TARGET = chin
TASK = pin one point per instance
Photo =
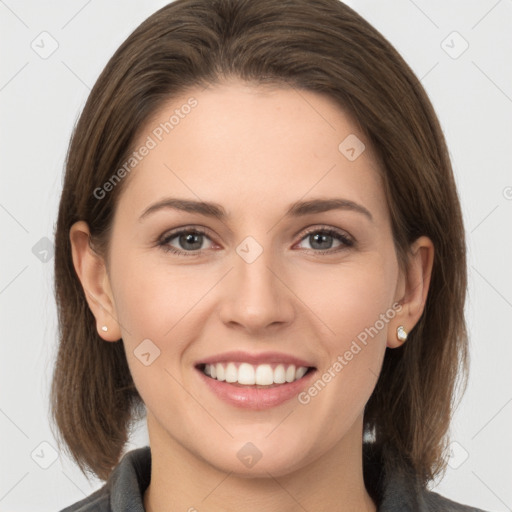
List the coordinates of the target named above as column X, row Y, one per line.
column 258, row 458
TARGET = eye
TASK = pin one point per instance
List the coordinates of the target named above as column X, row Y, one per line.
column 322, row 238
column 191, row 239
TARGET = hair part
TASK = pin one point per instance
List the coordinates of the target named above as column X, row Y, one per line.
column 321, row 46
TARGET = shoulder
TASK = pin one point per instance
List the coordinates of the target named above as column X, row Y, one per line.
column 395, row 486
column 124, row 488
column 435, row 502
column 98, row 501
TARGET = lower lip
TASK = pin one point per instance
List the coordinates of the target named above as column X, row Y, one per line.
column 251, row 397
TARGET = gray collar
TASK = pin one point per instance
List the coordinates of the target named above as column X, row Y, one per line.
column 393, row 488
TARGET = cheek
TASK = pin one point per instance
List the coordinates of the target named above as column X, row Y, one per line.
column 355, row 306
column 151, row 299
column 161, row 303
column 350, row 298
column 154, row 304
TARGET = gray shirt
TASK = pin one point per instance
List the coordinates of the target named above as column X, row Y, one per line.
column 392, row 491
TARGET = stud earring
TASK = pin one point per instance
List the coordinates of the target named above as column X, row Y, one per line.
column 401, row 333
column 104, row 328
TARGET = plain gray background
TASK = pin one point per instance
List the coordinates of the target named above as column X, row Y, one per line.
column 462, row 53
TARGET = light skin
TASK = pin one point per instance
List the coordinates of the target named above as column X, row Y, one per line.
column 255, row 151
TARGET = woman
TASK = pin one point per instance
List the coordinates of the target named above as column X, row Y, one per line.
column 303, row 352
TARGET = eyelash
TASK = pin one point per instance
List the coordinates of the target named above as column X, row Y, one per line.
column 163, row 242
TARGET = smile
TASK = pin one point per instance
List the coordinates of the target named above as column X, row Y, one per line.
column 250, row 375
column 256, row 397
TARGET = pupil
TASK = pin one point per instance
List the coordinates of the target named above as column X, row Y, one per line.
column 322, row 238
column 189, row 238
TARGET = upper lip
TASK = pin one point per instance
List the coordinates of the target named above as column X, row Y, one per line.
column 239, row 356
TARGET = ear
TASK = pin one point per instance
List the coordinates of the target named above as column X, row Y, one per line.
column 92, row 272
column 413, row 289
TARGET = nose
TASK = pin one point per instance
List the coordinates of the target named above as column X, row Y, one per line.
column 256, row 296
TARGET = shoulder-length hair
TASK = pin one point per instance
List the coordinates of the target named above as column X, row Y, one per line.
column 317, row 45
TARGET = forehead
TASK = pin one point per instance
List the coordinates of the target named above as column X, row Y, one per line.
column 246, row 145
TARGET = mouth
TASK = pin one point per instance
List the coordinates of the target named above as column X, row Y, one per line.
column 253, row 387
column 262, row 376
column 255, row 381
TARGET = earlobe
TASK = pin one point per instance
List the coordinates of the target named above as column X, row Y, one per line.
column 92, row 273
column 416, row 286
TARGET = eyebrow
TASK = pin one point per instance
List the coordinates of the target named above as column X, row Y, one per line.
column 215, row 210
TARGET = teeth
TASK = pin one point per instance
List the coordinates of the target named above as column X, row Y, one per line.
column 279, row 374
column 264, row 375
column 301, row 371
column 221, row 374
column 231, row 373
column 249, row 375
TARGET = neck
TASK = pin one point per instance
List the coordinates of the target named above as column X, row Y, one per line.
column 180, row 481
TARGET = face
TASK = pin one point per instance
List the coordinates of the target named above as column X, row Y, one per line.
column 313, row 287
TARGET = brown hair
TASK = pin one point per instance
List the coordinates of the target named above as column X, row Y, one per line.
column 317, row 45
